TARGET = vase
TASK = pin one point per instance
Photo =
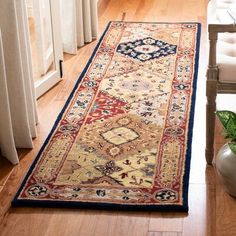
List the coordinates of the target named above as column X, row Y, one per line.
column 226, row 169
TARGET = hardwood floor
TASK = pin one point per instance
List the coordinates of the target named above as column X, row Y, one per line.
column 212, row 211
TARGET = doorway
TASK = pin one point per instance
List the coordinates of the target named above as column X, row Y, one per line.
column 46, row 43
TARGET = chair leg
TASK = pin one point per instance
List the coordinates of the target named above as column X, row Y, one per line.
column 211, row 90
column 210, row 120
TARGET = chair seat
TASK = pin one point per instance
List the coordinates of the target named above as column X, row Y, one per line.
column 226, row 43
column 217, row 11
column 226, row 59
column 227, row 69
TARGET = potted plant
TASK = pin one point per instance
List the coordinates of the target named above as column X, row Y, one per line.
column 226, row 157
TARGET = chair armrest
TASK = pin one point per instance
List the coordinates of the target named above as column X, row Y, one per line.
column 221, row 28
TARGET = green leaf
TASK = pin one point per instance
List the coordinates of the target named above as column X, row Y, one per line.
column 231, row 128
column 232, row 146
column 228, row 120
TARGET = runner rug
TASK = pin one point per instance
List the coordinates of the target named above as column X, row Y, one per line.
column 123, row 138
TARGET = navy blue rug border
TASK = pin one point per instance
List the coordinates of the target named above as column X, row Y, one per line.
column 110, row 206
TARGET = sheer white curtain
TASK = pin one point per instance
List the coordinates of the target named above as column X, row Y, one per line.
column 18, row 115
column 79, row 23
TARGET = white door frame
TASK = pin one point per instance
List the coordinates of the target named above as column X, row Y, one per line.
column 53, row 77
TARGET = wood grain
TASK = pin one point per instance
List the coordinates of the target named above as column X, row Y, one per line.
column 164, row 234
column 170, row 222
column 201, row 199
column 212, row 212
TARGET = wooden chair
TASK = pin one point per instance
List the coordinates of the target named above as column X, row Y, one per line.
column 221, row 72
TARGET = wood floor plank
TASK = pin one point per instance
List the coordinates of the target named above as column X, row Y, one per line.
column 6, row 169
column 26, row 221
column 226, row 212
column 164, row 234
column 201, row 216
column 82, row 222
column 154, row 234
column 226, row 224
column 132, row 223
column 170, row 222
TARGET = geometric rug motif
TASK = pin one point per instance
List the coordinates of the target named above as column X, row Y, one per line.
column 146, row 49
column 123, row 138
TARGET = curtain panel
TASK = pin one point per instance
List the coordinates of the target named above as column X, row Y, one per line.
column 18, row 115
column 79, row 23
